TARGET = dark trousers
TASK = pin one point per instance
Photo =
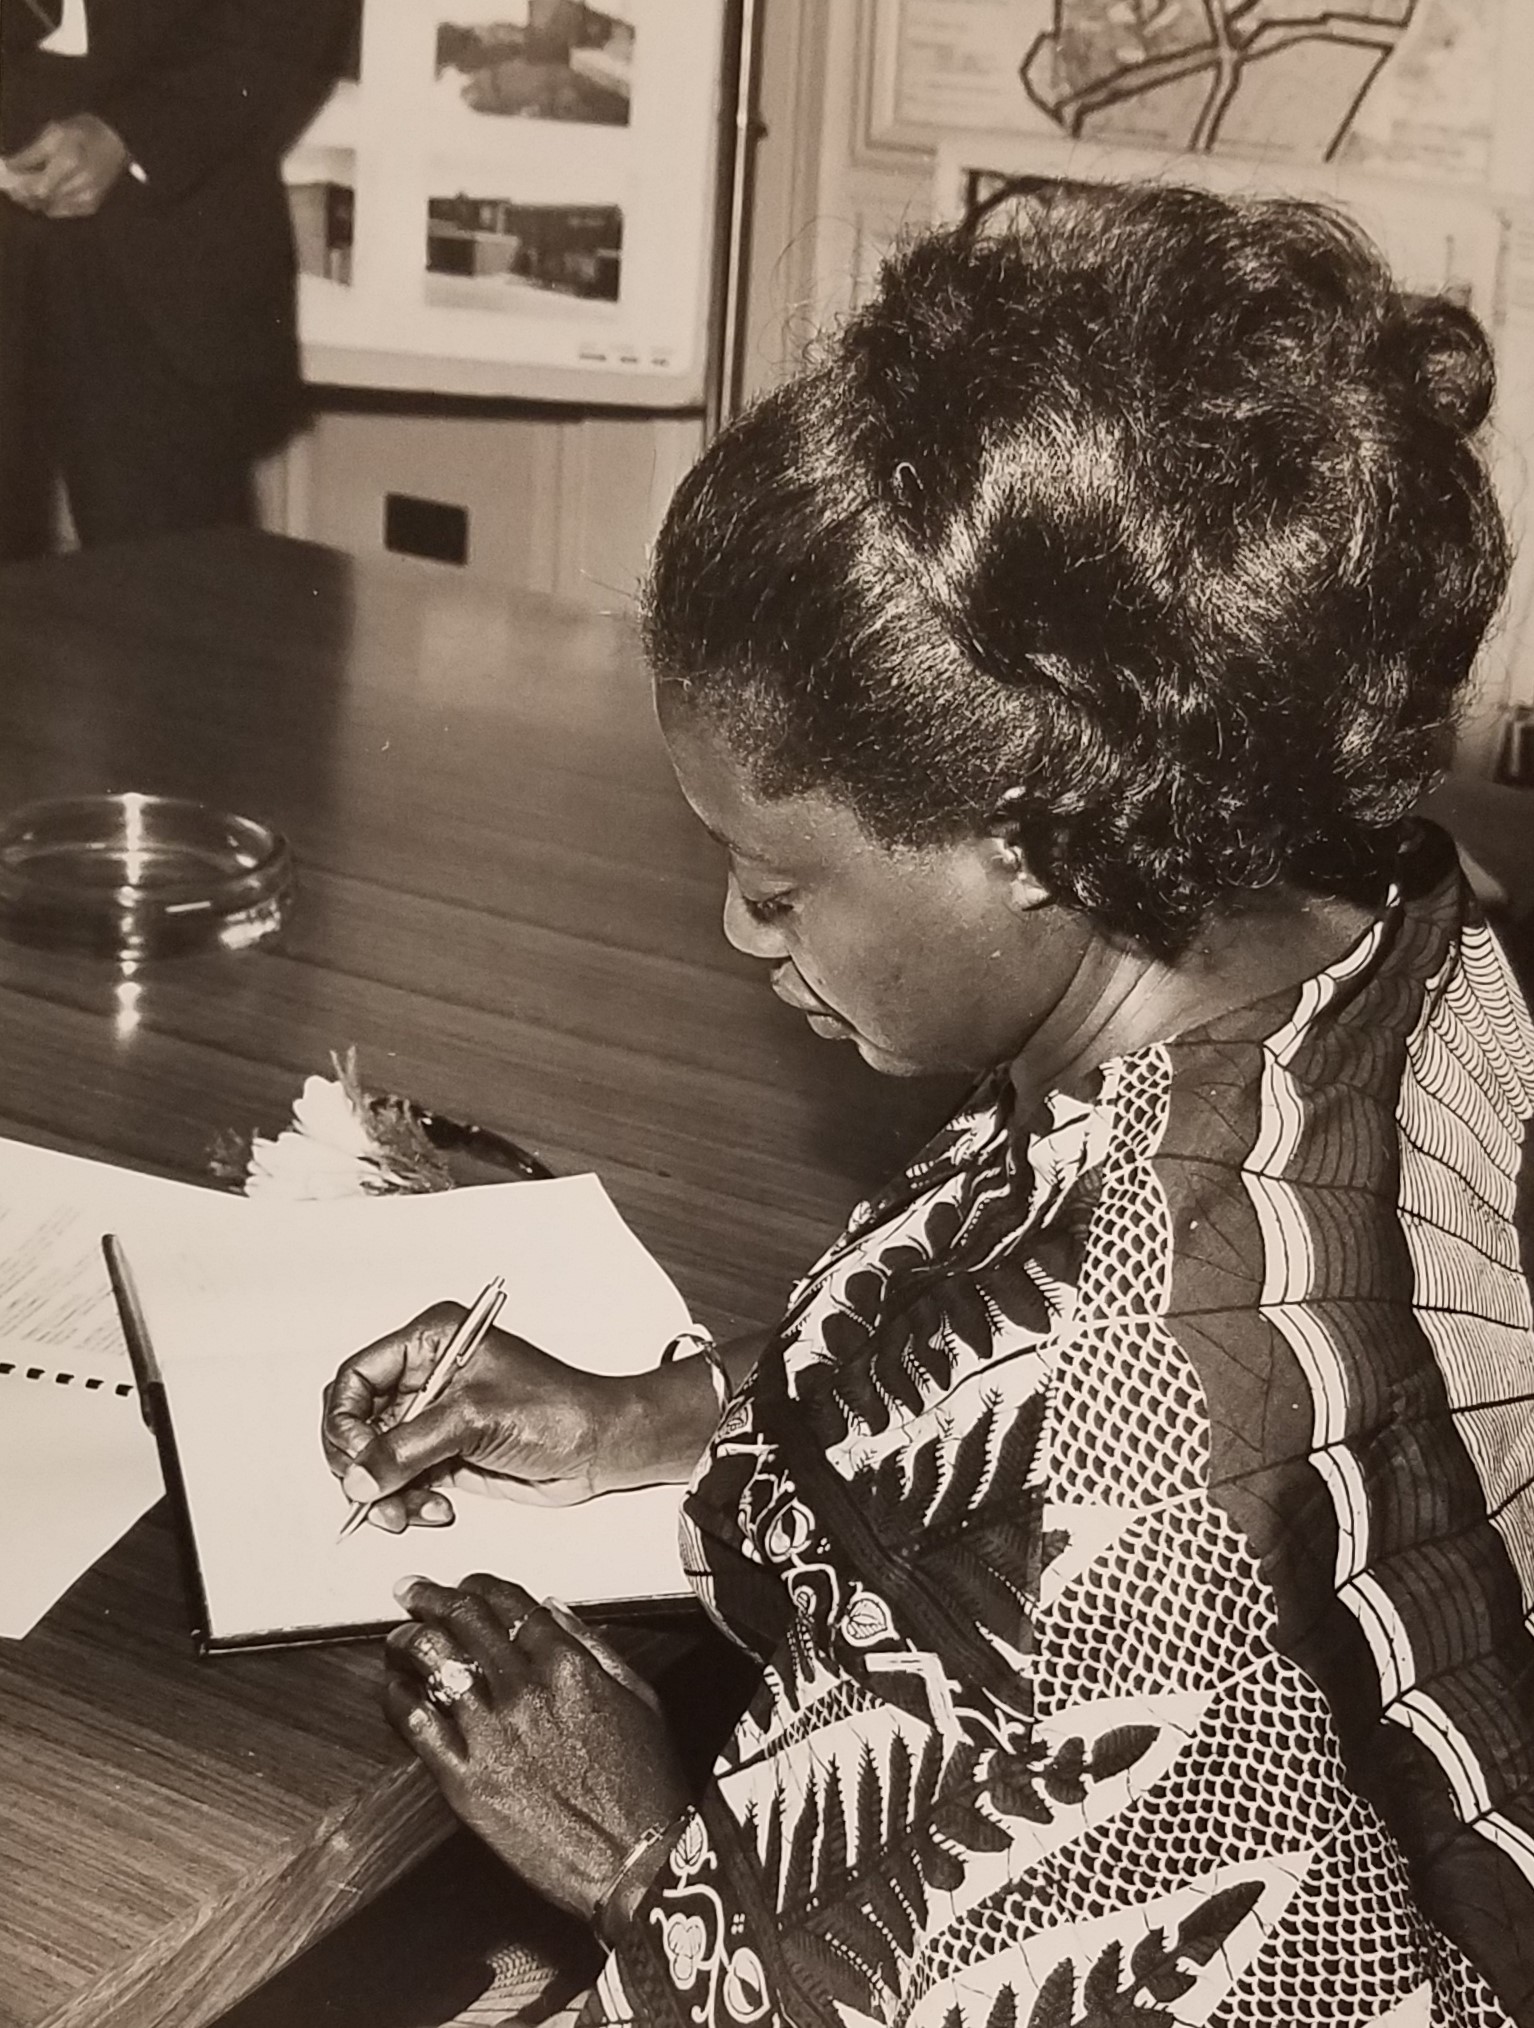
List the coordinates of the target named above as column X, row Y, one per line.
column 88, row 398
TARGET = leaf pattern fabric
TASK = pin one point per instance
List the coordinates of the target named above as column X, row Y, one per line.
column 1134, row 1520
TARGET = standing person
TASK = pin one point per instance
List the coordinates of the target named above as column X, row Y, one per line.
column 1132, row 1515
column 148, row 350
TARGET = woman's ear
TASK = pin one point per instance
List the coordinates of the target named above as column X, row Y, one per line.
column 1024, row 889
column 1010, row 861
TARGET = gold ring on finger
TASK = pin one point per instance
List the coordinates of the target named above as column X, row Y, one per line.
column 522, row 1620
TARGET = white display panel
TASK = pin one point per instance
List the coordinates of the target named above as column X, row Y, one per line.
column 516, row 198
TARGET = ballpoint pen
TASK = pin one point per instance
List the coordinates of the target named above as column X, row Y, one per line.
column 460, row 1347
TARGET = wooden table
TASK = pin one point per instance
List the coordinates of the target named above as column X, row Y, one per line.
column 507, row 908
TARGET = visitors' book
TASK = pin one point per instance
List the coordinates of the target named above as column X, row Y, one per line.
column 237, row 1322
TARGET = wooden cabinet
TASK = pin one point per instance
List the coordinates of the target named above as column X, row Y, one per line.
column 556, row 502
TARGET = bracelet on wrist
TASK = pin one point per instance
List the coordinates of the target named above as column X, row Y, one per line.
column 608, row 1916
column 702, row 1346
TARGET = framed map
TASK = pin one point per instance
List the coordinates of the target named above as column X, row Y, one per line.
column 1415, row 88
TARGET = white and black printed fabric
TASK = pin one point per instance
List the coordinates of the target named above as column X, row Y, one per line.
column 1135, row 1519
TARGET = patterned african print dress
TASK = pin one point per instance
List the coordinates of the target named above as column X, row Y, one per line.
column 1135, row 1518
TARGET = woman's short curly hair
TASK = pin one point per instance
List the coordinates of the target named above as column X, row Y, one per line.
column 1150, row 528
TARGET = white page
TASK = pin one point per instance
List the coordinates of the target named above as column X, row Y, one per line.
column 77, row 1466
column 249, row 1325
column 54, row 1209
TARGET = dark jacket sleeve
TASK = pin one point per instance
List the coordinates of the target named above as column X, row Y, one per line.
column 227, row 78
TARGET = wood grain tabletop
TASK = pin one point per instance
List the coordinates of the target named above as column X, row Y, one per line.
column 506, row 908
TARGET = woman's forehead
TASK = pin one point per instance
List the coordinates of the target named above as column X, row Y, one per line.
column 813, row 829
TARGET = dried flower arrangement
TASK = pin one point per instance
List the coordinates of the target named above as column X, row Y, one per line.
column 343, row 1141
column 346, row 1141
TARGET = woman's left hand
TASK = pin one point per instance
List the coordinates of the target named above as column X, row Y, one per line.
column 556, row 1754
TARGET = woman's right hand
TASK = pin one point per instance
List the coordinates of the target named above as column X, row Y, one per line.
column 517, row 1421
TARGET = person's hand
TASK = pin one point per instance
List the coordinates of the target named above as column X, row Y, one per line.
column 556, row 1753
column 512, row 1421
column 67, row 171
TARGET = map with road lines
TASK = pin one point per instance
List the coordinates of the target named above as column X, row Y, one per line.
column 1389, row 84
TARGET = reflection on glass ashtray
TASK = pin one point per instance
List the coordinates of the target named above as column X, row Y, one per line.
column 134, row 876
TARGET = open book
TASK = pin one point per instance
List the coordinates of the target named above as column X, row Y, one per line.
column 238, row 1323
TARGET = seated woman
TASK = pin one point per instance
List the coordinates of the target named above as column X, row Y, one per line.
column 1133, row 1514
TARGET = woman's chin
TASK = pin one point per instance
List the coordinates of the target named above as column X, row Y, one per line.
column 886, row 1063
column 831, row 1028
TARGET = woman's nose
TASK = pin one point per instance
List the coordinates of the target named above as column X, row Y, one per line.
column 755, row 939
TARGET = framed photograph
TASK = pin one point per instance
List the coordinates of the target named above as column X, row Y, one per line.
column 561, row 62
column 521, row 259
column 322, row 195
column 517, row 198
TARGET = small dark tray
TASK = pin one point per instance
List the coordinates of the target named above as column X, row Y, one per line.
column 480, row 1154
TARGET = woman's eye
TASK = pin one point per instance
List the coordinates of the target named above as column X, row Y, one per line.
column 767, row 908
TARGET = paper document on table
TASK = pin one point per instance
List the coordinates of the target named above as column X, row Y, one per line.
column 245, row 1328
column 54, row 1289
column 77, row 1465
column 54, row 1208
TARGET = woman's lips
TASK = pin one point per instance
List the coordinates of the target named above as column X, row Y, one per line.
column 819, row 1016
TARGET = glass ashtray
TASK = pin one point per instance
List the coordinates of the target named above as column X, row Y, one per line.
column 135, row 876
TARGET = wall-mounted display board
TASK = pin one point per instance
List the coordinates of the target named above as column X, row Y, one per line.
column 517, row 198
